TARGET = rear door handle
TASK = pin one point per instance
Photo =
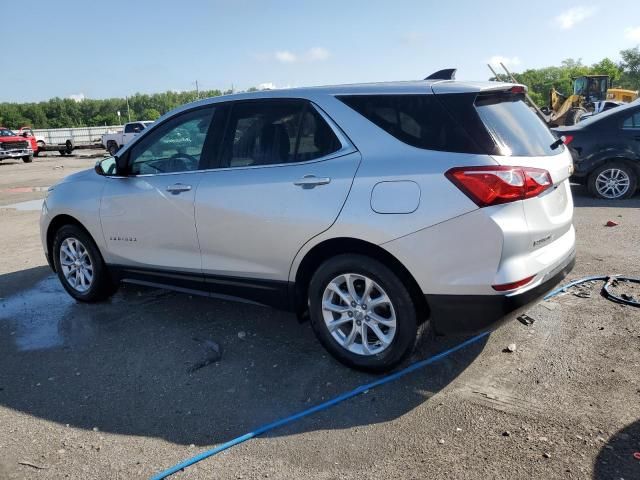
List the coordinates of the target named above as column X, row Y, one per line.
column 177, row 188
column 310, row 181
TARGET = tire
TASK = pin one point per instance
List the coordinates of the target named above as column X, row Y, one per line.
column 376, row 357
column 101, row 286
column 574, row 115
column 623, row 178
column 40, row 144
column 27, row 158
column 113, row 148
column 62, row 152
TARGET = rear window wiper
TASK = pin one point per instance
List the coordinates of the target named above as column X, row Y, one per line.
column 557, row 143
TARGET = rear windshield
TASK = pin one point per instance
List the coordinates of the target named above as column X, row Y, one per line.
column 514, row 127
column 494, row 124
column 418, row 120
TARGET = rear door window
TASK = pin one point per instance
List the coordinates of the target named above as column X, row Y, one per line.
column 272, row 132
column 418, row 120
column 316, row 139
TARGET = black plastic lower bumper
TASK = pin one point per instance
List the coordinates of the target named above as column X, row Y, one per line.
column 476, row 313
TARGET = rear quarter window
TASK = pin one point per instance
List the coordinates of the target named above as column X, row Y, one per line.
column 418, row 120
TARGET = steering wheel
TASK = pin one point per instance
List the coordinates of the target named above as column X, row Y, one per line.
column 188, row 162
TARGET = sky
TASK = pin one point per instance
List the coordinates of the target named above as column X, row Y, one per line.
column 100, row 49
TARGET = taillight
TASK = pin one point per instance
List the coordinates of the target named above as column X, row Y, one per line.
column 500, row 184
column 567, row 139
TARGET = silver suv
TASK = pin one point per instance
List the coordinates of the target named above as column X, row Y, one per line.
column 379, row 211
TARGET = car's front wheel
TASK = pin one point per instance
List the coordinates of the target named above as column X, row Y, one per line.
column 613, row 181
column 27, row 158
column 79, row 265
column 362, row 313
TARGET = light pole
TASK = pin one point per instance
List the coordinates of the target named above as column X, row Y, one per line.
column 119, row 122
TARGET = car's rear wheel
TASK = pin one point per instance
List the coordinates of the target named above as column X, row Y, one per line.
column 79, row 265
column 362, row 313
column 613, row 181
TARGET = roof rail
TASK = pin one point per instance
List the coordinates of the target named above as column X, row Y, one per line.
column 445, row 74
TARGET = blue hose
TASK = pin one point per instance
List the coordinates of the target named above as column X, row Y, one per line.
column 564, row 288
column 322, row 406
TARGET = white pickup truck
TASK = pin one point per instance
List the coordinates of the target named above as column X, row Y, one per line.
column 113, row 141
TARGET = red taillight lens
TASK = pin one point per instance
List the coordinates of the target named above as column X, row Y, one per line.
column 567, row 139
column 512, row 286
column 500, row 184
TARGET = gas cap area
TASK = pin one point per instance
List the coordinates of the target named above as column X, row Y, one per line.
column 399, row 196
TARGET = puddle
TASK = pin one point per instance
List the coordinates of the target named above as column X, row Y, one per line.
column 42, row 317
column 29, row 205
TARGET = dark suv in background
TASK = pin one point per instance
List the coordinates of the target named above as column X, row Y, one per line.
column 606, row 151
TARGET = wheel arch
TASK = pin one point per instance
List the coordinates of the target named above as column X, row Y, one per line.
column 621, row 157
column 338, row 246
column 56, row 224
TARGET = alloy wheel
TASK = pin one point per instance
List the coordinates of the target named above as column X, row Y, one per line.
column 612, row 183
column 359, row 314
column 76, row 264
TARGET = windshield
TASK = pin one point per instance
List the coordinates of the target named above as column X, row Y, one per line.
column 4, row 132
column 515, row 128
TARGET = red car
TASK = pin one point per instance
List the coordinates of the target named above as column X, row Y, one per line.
column 14, row 146
column 27, row 133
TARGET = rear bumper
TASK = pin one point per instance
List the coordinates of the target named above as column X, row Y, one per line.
column 476, row 313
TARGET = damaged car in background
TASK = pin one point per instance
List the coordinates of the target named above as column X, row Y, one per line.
column 14, row 146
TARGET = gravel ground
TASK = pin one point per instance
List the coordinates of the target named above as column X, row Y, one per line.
column 108, row 391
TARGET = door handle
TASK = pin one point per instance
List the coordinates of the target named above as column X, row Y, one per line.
column 310, row 181
column 177, row 188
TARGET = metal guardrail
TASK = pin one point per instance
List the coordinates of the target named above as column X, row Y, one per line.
column 78, row 135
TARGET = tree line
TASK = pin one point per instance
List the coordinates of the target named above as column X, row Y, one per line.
column 63, row 112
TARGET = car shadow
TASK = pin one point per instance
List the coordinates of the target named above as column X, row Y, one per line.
column 582, row 198
column 616, row 459
column 132, row 365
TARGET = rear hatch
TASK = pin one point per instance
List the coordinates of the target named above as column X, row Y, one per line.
column 507, row 129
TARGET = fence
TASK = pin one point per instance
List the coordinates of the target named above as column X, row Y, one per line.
column 79, row 135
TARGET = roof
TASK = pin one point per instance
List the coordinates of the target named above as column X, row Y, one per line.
column 404, row 87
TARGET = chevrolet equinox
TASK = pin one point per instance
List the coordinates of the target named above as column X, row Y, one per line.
column 381, row 211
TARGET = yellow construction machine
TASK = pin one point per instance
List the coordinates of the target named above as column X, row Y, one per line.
column 591, row 94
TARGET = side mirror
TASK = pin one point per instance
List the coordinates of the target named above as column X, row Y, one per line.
column 107, row 166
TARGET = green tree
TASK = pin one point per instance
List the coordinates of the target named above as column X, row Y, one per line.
column 151, row 114
column 630, row 66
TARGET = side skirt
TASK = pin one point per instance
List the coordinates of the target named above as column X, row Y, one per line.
column 272, row 293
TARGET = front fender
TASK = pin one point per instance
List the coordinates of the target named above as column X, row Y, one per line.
column 77, row 197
